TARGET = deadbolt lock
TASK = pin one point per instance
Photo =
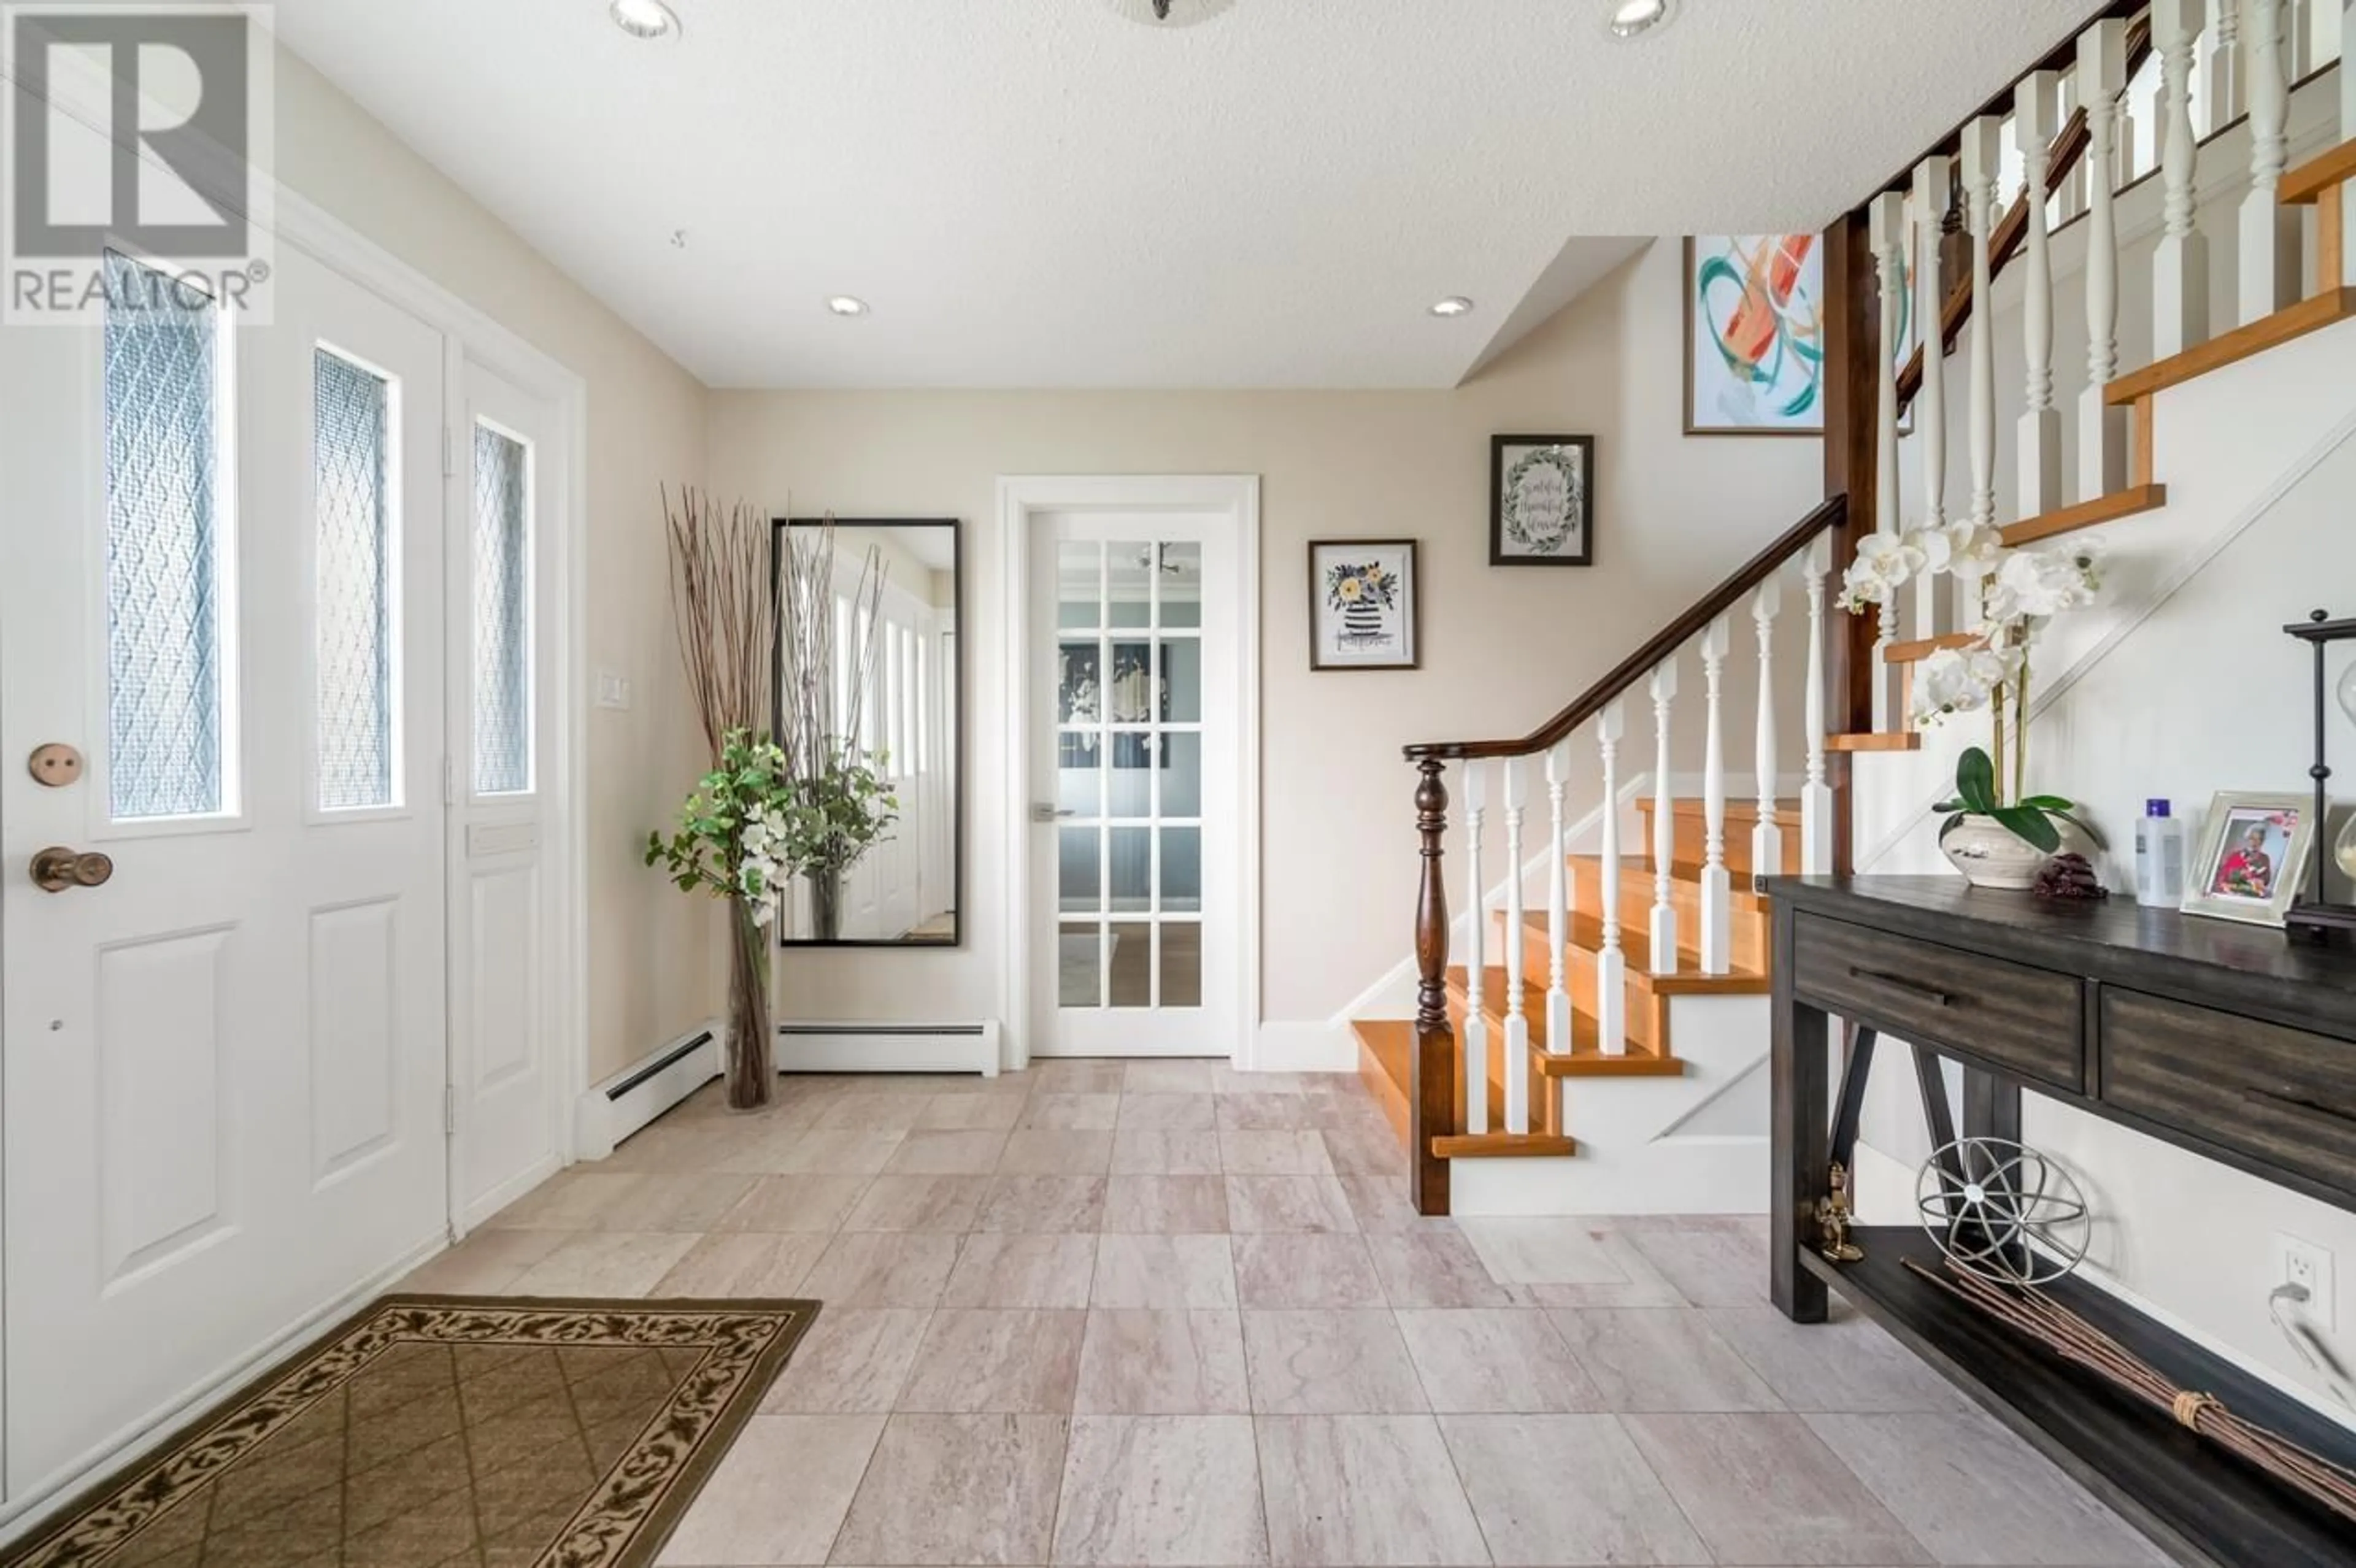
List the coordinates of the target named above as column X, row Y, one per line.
column 56, row 765
column 57, row 868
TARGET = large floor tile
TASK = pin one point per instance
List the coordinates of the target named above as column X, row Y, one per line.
column 751, row 1263
column 972, row 1113
column 1071, row 1113
column 1305, row 1270
column 1273, row 1153
column 1169, row 1078
column 1711, row 1267
column 945, row 1203
column 1077, row 1076
column 691, row 1203
column 1568, row 1263
column 1022, row 1270
column 1764, row 1489
column 605, row 1262
column 1848, row 1365
column 1974, row 1493
column 854, row 1360
column 1567, row 1489
column 488, row 1262
column 779, row 1495
column 946, row 1153
column 575, row 1199
column 832, row 1153
column 1288, row 1203
column 1162, row 1489
column 1329, row 1363
column 1169, row 1113
column 1139, row 1362
column 1294, row 1112
column 1178, row 1271
column 1051, row 1151
column 1661, row 1358
column 950, row 1489
column 869, row 1112
column 1166, row 1205
column 1437, row 1267
column 1042, row 1203
column 806, row 1203
column 1367, row 1149
column 1381, row 1203
column 883, row 1269
column 1016, row 1361
column 1363, row 1491
column 1160, row 1151
column 1495, row 1361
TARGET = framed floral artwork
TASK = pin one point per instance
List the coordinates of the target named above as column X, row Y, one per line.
column 1542, row 500
column 1363, row 601
column 2251, row 857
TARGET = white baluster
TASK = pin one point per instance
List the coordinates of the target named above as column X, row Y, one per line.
column 1517, row 1024
column 2102, row 429
column 1767, row 837
column 1558, row 767
column 2180, row 270
column 1886, row 228
column 1476, row 946
column 2224, row 94
column 2034, row 126
column 1933, row 614
column 2270, row 231
column 1611, row 964
column 1717, row 936
column 1983, row 155
column 2299, row 41
column 2071, row 200
column 1664, row 689
column 1817, row 794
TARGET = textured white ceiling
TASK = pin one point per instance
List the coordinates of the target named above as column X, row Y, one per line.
column 1035, row 193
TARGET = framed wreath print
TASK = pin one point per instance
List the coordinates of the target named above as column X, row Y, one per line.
column 1542, row 500
column 1363, row 600
column 2251, row 857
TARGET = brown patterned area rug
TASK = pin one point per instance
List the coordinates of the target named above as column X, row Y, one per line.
column 431, row 1430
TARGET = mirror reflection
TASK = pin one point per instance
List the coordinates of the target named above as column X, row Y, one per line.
column 868, row 684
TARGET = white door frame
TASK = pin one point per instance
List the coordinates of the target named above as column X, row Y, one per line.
column 1020, row 497
column 301, row 222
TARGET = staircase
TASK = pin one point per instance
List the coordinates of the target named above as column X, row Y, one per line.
column 1649, row 969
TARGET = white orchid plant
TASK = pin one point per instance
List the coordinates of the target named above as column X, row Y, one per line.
column 2020, row 591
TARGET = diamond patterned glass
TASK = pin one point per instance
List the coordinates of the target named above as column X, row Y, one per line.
column 351, row 440
column 164, row 568
column 502, row 615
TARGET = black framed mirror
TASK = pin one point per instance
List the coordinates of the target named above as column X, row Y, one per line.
column 871, row 674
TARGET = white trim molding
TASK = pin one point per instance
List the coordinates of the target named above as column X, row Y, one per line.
column 970, row 1045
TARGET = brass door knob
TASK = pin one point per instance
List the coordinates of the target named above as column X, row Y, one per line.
column 57, row 868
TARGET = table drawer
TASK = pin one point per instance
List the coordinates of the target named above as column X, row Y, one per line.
column 2029, row 1021
column 2280, row 1095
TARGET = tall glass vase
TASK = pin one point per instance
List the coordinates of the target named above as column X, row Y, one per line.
column 826, row 904
column 752, row 1066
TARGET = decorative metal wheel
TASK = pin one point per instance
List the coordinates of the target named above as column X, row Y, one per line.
column 2002, row 1211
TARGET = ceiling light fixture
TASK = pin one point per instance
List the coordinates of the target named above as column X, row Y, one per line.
column 1171, row 12
column 1630, row 19
column 847, row 304
column 1453, row 305
column 645, row 18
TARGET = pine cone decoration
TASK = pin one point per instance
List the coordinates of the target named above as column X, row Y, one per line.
column 2070, row 876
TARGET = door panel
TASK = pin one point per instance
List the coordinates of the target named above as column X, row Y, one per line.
column 223, row 1066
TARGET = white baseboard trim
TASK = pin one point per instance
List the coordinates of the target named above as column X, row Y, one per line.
column 1325, row 1047
column 476, row 1213
column 837, row 1047
column 19, row 1514
column 613, row 1110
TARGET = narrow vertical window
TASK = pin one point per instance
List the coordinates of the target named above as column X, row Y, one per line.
column 354, row 588
column 502, row 613
column 165, row 540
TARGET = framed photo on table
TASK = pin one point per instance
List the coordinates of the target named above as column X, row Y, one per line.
column 2252, row 857
column 1365, row 601
column 1542, row 500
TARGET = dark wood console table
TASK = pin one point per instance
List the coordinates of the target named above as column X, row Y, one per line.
column 2225, row 1040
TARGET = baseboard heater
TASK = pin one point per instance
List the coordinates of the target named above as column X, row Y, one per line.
column 889, row 1047
column 623, row 1104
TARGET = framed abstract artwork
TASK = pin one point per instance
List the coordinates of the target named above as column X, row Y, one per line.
column 1363, row 601
column 1542, row 500
column 1754, row 334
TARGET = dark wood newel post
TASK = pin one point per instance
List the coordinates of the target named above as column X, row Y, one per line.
column 1852, row 452
column 1433, row 1074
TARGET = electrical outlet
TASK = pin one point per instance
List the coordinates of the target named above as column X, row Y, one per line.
column 2305, row 1265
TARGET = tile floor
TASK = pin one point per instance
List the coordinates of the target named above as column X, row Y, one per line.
column 1160, row 1313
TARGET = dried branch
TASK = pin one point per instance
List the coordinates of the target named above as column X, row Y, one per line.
column 723, row 612
column 823, row 703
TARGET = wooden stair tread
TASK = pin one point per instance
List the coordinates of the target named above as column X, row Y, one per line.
column 1744, row 811
column 1878, row 741
column 1585, row 1059
column 1922, row 648
column 2310, row 315
column 2102, row 510
column 1635, row 868
column 1503, row 1145
column 1585, row 932
column 2303, row 185
column 1390, row 1043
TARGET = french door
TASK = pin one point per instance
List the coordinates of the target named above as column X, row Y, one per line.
column 1135, row 805
column 221, row 646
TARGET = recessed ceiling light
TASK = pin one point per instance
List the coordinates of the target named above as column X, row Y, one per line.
column 678, row 239
column 847, row 304
column 1631, row 17
column 1454, row 304
column 645, row 18
column 1171, row 12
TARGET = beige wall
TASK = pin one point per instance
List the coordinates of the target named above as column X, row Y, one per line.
column 650, row 957
column 1501, row 648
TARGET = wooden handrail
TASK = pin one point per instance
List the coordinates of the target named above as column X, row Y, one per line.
column 2012, row 229
column 1659, row 647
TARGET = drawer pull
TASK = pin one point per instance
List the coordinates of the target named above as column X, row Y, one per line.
column 2294, row 1103
column 1937, row 998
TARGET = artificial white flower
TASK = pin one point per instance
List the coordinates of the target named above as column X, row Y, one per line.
column 1974, row 551
column 1955, row 681
column 2033, row 585
column 1883, row 564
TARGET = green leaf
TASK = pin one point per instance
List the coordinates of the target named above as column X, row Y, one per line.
column 2081, row 824
column 1948, row 806
column 2029, row 825
column 2049, row 802
column 1975, row 781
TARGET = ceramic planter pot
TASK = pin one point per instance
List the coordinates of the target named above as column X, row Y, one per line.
column 1989, row 855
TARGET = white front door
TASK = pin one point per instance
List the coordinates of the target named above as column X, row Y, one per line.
column 221, row 585
column 1134, row 764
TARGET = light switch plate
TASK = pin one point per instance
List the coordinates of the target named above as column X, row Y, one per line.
column 613, row 690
